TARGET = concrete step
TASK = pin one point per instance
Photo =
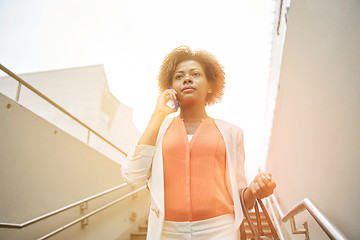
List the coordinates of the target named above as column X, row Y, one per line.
column 264, row 225
column 253, row 215
column 138, row 236
column 143, row 228
column 250, row 235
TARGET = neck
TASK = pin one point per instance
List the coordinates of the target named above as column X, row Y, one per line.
column 193, row 113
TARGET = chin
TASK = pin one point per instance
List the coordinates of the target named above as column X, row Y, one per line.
column 189, row 101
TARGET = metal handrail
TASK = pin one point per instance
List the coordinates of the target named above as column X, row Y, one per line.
column 21, row 81
column 90, row 214
column 277, row 225
column 331, row 231
column 21, row 225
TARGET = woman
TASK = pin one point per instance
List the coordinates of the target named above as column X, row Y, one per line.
column 194, row 164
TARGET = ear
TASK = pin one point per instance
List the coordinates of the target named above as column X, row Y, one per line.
column 210, row 87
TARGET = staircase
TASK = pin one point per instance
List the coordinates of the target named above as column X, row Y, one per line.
column 141, row 234
column 245, row 231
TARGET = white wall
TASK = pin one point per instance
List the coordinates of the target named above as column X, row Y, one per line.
column 314, row 148
column 42, row 168
column 277, row 47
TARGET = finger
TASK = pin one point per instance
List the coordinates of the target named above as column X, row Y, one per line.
column 259, row 192
column 168, row 95
column 267, row 178
column 171, row 91
column 166, row 91
column 269, row 185
column 164, row 94
column 172, row 110
column 272, row 184
column 269, row 190
column 261, row 184
column 266, row 188
column 262, row 175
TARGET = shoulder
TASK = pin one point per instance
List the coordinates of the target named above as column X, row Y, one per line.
column 227, row 126
column 230, row 131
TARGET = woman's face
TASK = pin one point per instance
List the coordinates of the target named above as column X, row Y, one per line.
column 190, row 82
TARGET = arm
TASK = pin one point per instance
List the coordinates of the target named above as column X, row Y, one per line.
column 161, row 111
column 262, row 186
column 136, row 166
column 249, row 199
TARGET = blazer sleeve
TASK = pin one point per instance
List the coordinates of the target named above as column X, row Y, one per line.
column 136, row 166
column 240, row 161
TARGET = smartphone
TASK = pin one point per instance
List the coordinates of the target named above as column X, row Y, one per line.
column 174, row 103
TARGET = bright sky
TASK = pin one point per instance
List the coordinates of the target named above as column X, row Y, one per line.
column 131, row 37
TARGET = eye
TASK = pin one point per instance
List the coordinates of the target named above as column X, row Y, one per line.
column 178, row 76
column 196, row 74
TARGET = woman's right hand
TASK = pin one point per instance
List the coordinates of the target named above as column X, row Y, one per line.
column 161, row 106
column 161, row 111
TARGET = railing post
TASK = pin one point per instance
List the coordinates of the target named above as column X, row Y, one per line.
column 84, row 223
column 88, row 136
column 294, row 230
column 18, row 92
column 83, row 207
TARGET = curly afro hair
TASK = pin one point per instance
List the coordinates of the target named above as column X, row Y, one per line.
column 213, row 70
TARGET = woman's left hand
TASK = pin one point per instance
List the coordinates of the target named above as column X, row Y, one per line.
column 263, row 185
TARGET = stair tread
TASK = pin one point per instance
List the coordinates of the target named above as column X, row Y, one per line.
column 138, row 234
column 261, row 217
column 263, row 228
column 143, row 228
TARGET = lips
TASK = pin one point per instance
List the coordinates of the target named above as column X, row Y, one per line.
column 187, row 89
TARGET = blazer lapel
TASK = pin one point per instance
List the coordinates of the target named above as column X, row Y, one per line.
column 230, row 142
column 156, row 181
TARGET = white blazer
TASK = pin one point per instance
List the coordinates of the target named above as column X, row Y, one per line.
column 146, row 163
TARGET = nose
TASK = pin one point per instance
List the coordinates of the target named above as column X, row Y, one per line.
column 187, row 79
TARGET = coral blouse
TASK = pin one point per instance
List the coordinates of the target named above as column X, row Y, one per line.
column 194, row 173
